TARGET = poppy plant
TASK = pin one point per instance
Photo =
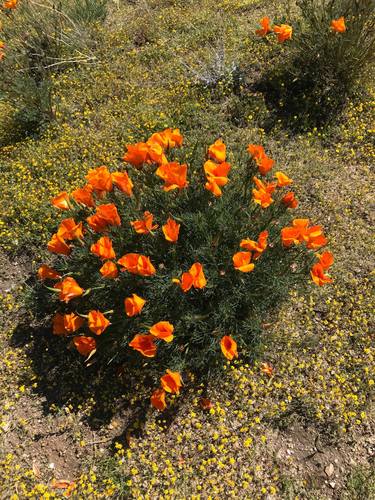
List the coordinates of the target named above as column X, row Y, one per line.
column 46, row 272
column 229, row 347
column 137, row 154
column 137, row 264
column 318, row 276
column 144, row 344
column 194, row 277
column 265, row 24
column 58, row 245
column 109, row 270
column 105, row 215
column 100, row 179
column 301, row 232
column 70, row 230
column 123, row 182
column 61, row 201
column 10, row 4
column 242, row 262
column 282, row 179
column 97, row 322
column 163, row 330
column 64, row 324
column 262, row 195
column 257, row 247
column 171, row 382
column 174, row 175
column 171, row 230
column 68, row 289
column 325, row 259
column 103, row 248
column 134, row 305
column 217, row 151
column 84, row 345
column 338, row 25
column 289, row 200
column 144, row 226
column 257, row 153
column 283, row 32
column 84, row 196
column 216, row 176
column 158, row 399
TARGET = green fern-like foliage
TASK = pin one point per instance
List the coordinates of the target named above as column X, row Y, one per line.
column 232, row 302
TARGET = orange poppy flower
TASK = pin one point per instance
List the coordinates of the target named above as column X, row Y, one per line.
column 338, row 25
column 137, row 264
column 265, row 164
column 100, row 179
column 266, row 27
column 171, row 230
column 70, row 230
column 216, row 176
column 162, row 330
column 58, row 245
column 144, row 226
column 174, row 175
column 84, row 196
column 103, row 248
column 69, row 289
column 10, row 4
column 66, row 323
column 315, row 238
column 267, row 369
column 97, row 322
column 199, row 279
column 156, row 154
column 171, row 382
column 241, row 261
column 318, row 276
column 283, row 32
column 289, row 200
column 217, row 151
column 229, row 347
column 84, row 345
column 144, row 344
column 46, row 272
column 158, row 399
column 185, row 283
column 326, row 259
column 262, row 197
column 58, row 327
column 294, row 235
column 134, row 305
column 174, row 137
column 256, row 151
column 105, row 215
column 256, row 246
column 282, row 179
column 109, row 270
column 61, row 201
column 137, row 154
column 123, row 182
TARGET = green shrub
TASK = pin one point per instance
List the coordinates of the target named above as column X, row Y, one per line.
column 319, row 68
column 229, row 299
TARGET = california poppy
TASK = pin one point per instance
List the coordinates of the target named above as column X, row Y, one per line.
column 61, row 201
column 145, row 225
column 84, row 196
column 134, row 305
column 84, row 345
column 168, row 138
column 66, row 323
column 289, row 200
column 137, row 154
column 158, row 399
column 10, row 4
column 123, row 182
column 282, row 179
column 325, row 259
column 69, row 289
column 256, row 151
column 103, row 248
column 315, row 237
column 338, row 25
column 109, row 270
column 283, row 32
column 216, row 176
column 163, row 330
column 137, row 264
column 265, row 164
column 296, row 233
column 70, row 230
column 58, row 327
column 318, row 276
column 174, row 175
column 241, row 261
column 229, row 347
column 199, row 279
column 217, row 151
column 171, row 230
column 97, row 322
column 185, row 283
column 144, row 344
column 266, row 27
column 105, row 215
column 46, row 272
column 171, row 382
column 100, row 179
column 256, row 246
column 58, row 245
column 262, row 195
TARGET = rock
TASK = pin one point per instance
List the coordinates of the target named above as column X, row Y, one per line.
column 329, row 470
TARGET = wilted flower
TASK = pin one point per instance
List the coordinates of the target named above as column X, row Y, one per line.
column 229, row 347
